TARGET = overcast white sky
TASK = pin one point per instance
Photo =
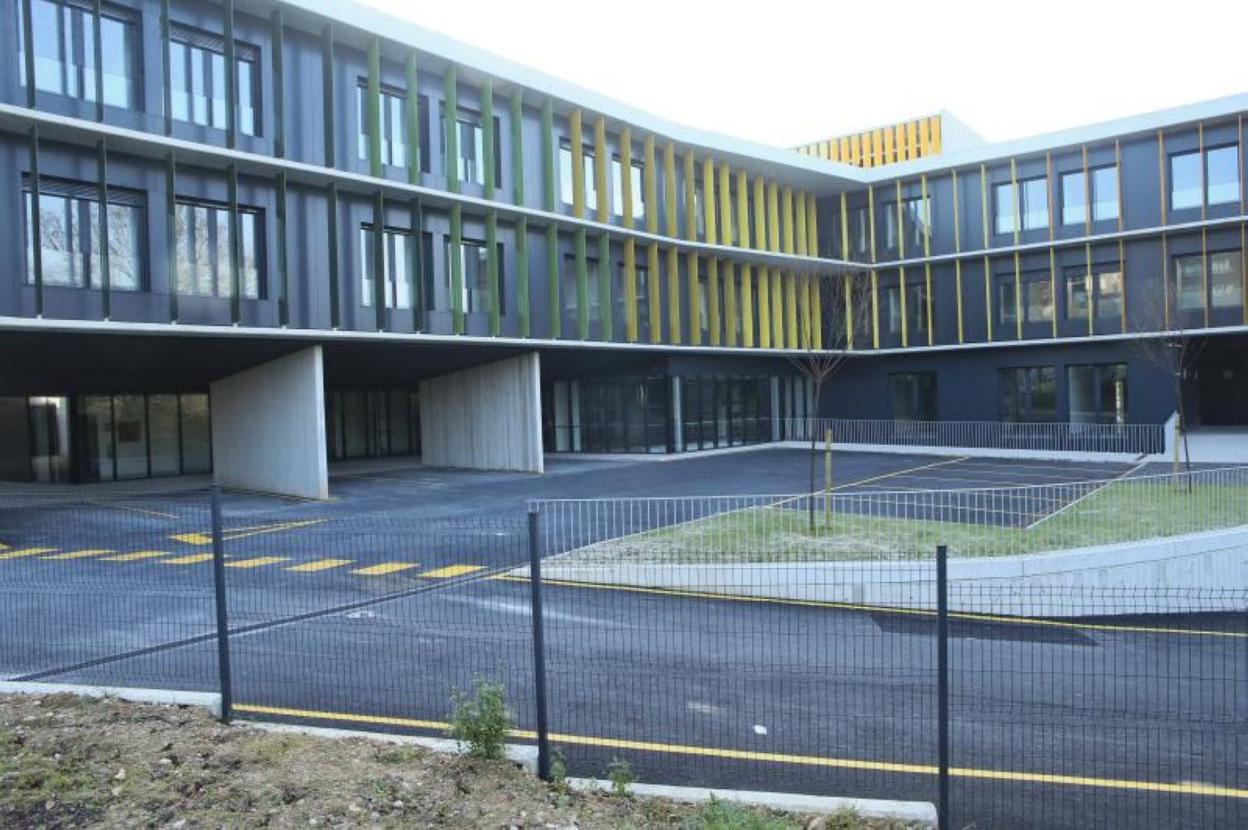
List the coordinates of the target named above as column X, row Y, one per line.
column 783, row 72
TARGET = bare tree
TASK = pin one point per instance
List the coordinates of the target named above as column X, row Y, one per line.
column 844, row 301
column 1170, row 349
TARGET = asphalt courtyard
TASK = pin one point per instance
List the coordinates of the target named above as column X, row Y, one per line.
column 368, row 610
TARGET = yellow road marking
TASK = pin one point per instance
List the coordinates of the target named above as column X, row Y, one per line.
column 79, row 554
column 22, row 552
column 257, row 562
column 320, row 565
column 230, row 534
column 192, row 559
column 385, row 568
column 452, row 570
column 3, row 546
column 138, row 554
column 879, row 609
column 1181, row 788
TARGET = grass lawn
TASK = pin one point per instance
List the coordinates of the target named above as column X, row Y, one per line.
column 912, row 525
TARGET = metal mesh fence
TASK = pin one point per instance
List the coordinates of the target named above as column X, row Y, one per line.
column 1133, row 439
column 92, row 590
column 785, row 643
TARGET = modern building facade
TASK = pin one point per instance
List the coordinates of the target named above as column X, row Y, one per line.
column 482, row 263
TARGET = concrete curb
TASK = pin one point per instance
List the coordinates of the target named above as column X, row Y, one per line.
column 923, row 812
column 166, row 697
column 974, row 452
column 521, row 755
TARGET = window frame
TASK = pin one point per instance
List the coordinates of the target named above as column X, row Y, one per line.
column 87, row 194
column 193, row 38
column 261, row 252
column 84, row 73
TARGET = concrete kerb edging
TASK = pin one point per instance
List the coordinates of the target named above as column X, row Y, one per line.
column 1170, row 567
column 923, row 812
column 165, row 697
column 974, row 452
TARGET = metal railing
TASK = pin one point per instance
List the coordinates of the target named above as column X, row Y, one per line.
column 876, row 524
column 894, row 688
column 1132, row 439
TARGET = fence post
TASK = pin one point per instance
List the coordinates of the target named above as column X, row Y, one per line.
column 539, row 647
column 223, row 621
column 942, row 683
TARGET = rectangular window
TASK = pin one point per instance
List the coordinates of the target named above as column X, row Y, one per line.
column 1004, row 205
column 592, row 295
column 1185, row 180
column 1098, row 393
column 1029, row 394
column 394, row 150
column 1038, row 299
column 399, row 255
column 886, row 226
column 202, row 232
column 1109, row 292
column 1074, row 198
column 69, row 229
column 565, row 177
column 1076, row 294
column 859, row 234
column 916, row 308
column 197, row 80
column 617, row 188
column 1222, row 175
column 474, row 269
column 892, row 307
column 917, row 218
column 1189, row 275
column 1007, row 307
column 1105, row 193
column 64, row 34
column 470, row 166
column 1035, row 203
column 1226, row 279
column 913, row 396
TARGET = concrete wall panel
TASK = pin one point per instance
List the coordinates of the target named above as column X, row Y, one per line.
column 486, row 418
column 268, row 427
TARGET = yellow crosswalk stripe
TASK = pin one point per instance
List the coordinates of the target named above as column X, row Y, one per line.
column 21, row 552
column 452, row 570
column 319, row 565
column 138, row 554
column 385, row 568
column 257, row 562
column 79, row 554
column 192, row 559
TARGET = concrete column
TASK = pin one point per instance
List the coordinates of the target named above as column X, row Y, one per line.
column 775, row 409
column 268, row 427
column 485, row 418
column 678, row 422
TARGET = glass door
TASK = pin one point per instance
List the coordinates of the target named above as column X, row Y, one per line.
column 49, row 434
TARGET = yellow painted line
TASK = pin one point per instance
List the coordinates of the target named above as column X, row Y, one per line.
column 23, row 552
column 320, row 565
column 880, row 609
column 192, row 559
column 386, row 568
column 1179, row 788
column 230, row 534
column 906, row 471
column 452, row 570
column 137, row 555
column 257, row 562
column 79, row 554
column 3, row 546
